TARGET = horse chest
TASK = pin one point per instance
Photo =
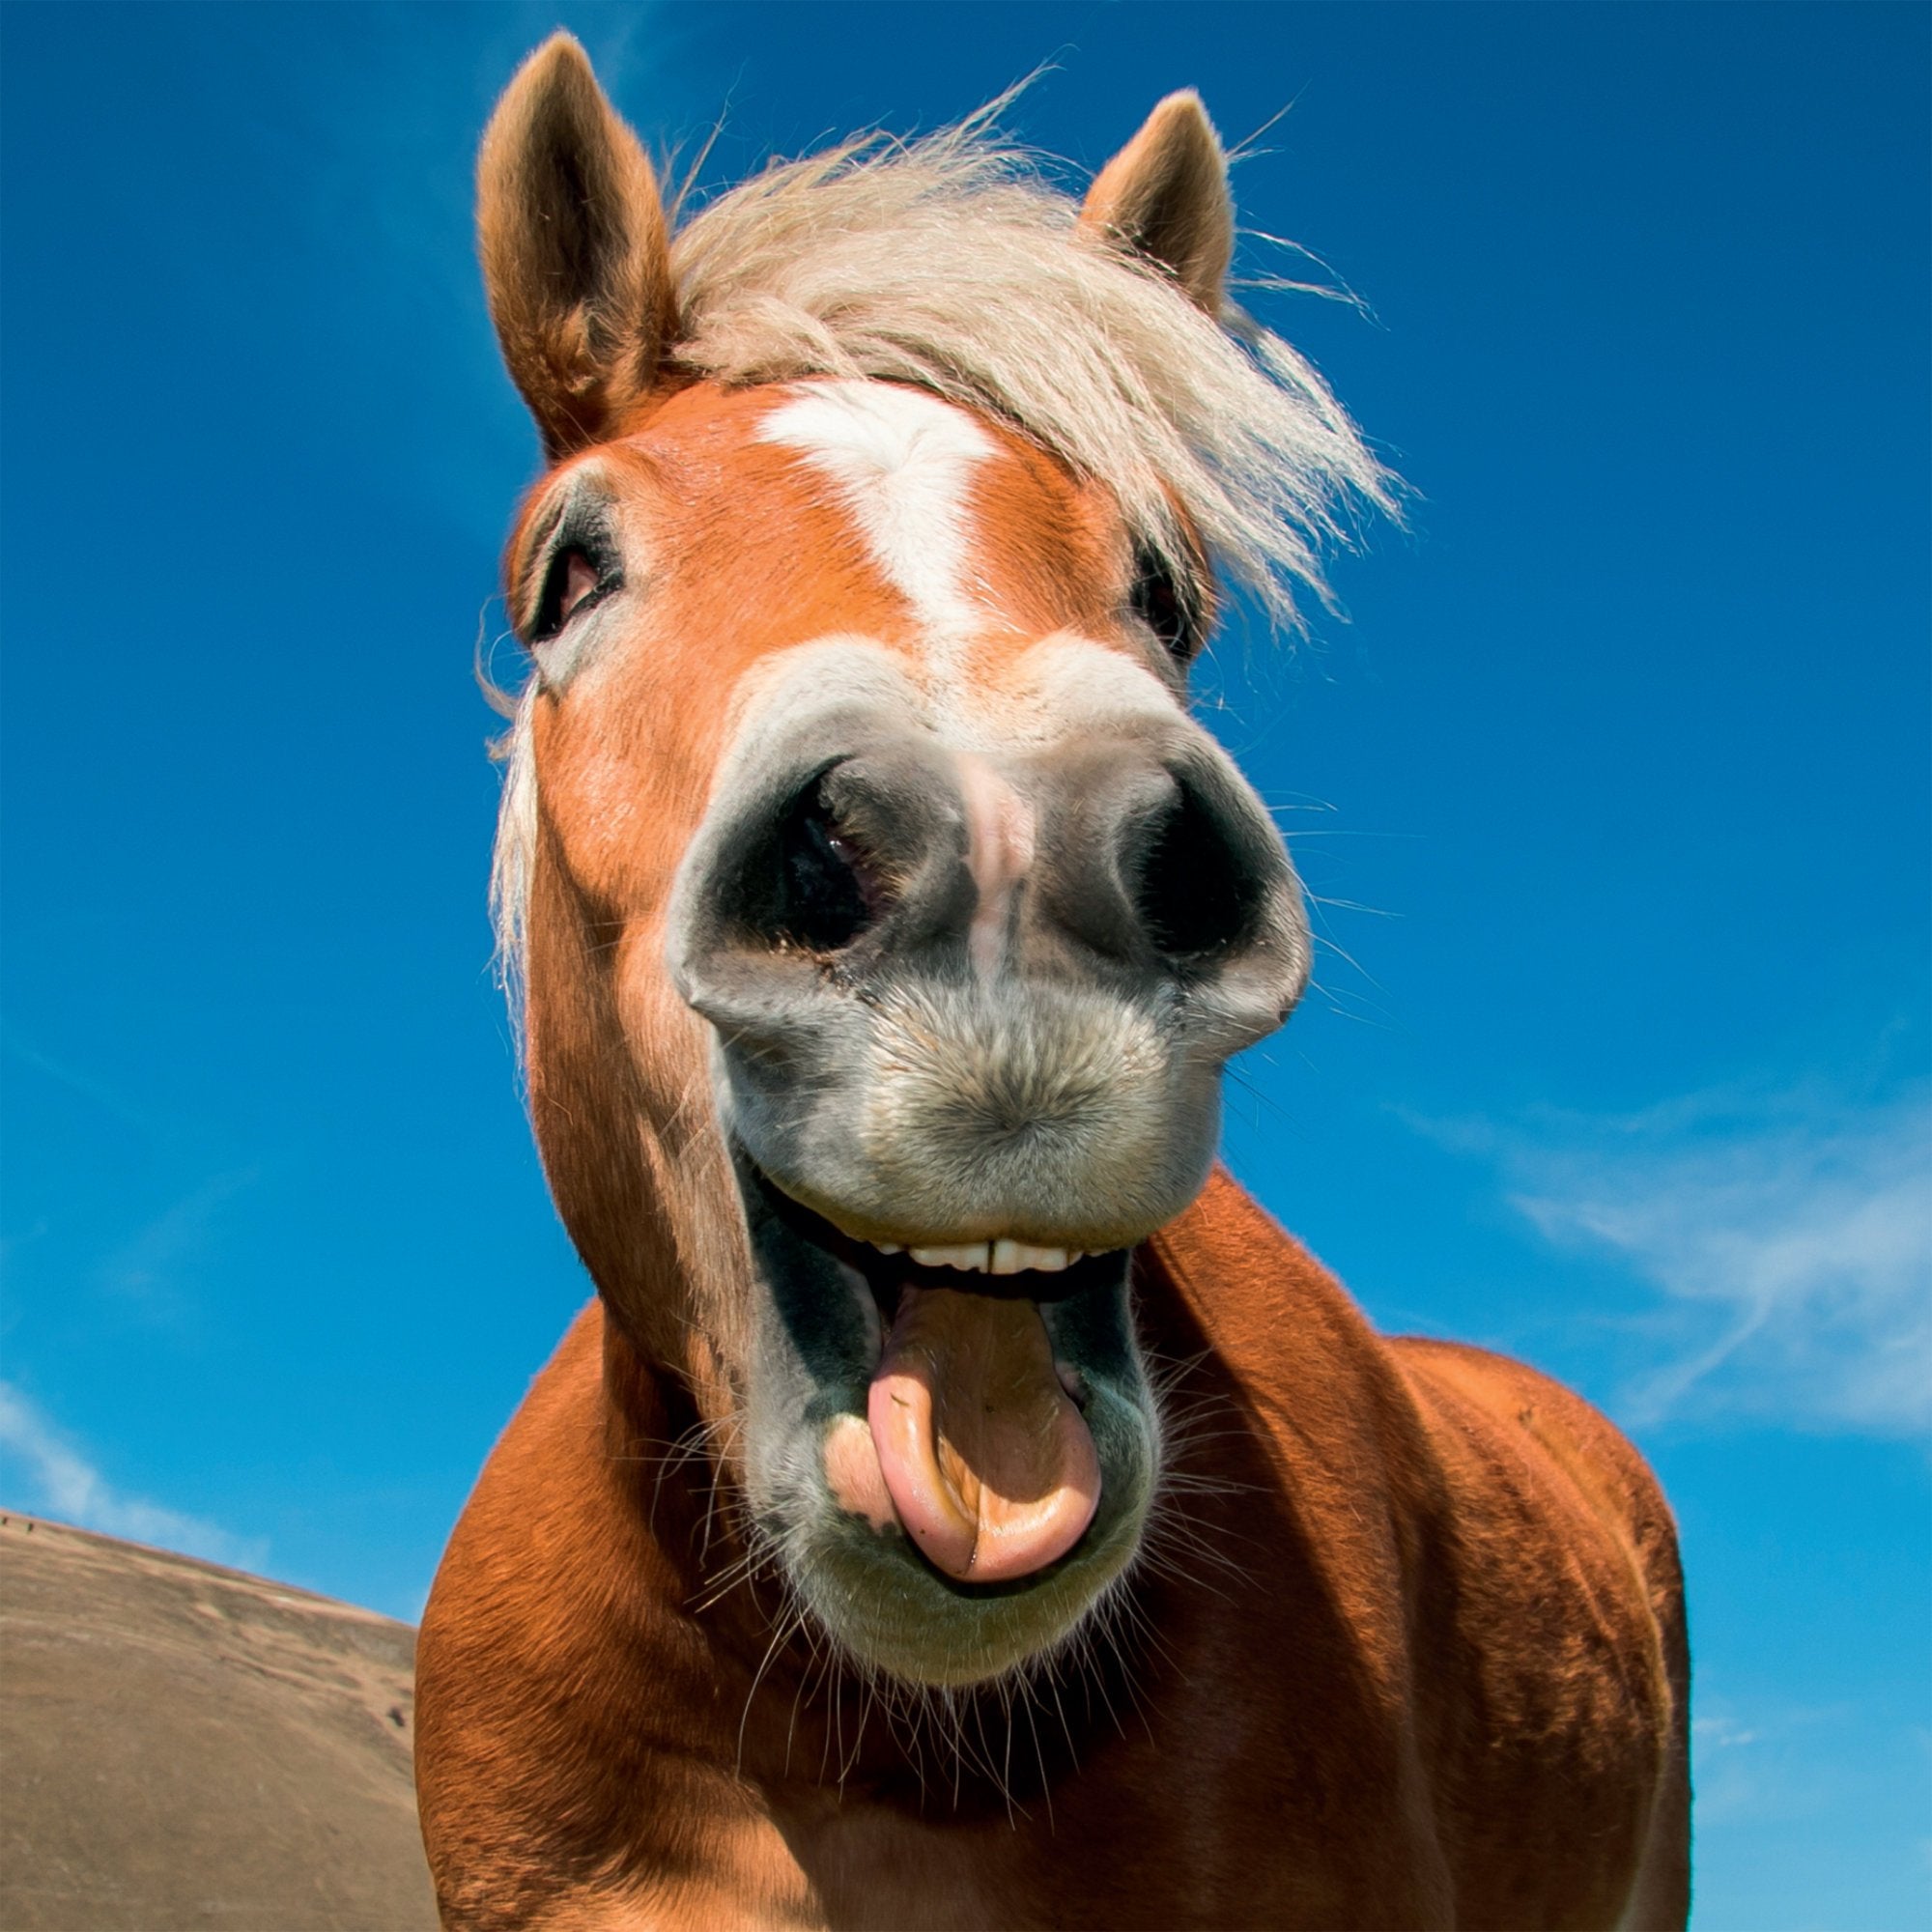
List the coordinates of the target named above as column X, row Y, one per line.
column 1105, row 1858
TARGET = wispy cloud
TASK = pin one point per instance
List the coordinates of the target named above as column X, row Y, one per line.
column 146, row 1266
column 55, row 1477
column 1785, row 1762
column 1791, row 1234
column 76, row 1080
column 1735, row 1777
column 1721, row 1733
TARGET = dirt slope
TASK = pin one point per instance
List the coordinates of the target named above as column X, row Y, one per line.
column 183, row 1746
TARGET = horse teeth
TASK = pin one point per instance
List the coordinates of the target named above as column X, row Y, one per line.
column 975, row 1256
column 1001, row 1257
column 1018, row 1258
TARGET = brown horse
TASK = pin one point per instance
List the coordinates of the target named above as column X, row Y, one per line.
column 961, row 1505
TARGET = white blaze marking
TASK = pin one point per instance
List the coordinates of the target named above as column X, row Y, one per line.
column 902, row 461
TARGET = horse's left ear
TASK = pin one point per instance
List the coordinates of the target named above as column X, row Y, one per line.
column 1164, row 197
column 575, row 256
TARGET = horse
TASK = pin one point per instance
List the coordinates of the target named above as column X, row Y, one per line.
column 960, row 1505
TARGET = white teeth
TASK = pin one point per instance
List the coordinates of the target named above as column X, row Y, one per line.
column 1001, row 1257
column 973, row 1256
column 1016, row 1258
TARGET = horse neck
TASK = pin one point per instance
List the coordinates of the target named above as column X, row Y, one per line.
column 619, row 1094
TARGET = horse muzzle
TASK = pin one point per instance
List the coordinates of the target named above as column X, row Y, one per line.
column 964, row 999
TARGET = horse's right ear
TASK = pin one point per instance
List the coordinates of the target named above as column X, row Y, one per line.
column 576, row 257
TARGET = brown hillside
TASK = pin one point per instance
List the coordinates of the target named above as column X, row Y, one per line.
column 184, row 1746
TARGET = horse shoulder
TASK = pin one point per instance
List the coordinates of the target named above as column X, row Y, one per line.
column 1480, row 1550
column 1558, row 1584
column 1506, row 1415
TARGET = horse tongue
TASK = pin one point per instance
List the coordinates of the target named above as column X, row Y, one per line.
column 988, row 1464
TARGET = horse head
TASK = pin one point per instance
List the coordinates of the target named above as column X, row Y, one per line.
column 883, row 918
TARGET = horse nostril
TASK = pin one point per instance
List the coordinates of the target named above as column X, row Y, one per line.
column 811, row 864
column 1203, row 877
column 828, row 892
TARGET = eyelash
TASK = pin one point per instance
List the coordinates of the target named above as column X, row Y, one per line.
column 1166, row 605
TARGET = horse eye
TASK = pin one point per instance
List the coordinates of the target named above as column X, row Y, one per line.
column 1164, row 605
column 570, row 584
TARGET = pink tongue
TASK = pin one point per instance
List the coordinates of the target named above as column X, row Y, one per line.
column 988, row 1464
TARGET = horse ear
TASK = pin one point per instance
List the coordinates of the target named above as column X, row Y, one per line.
column 576, row 257
column 1164, row 197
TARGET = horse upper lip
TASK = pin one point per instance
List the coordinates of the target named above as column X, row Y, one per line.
column 1002, row 1254
column 1003, row 1257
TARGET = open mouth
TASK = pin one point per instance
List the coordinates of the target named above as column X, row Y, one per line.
column 971, row 1434
column 1004, row 1269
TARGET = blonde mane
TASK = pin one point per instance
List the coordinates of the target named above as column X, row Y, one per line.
column 952, row 263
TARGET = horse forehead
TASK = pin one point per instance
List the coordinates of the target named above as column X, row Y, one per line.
column 903, row 465
column 829, row 506
column 867, row 435
column 963, row 520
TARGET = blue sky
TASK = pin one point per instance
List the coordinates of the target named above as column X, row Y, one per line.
column 1613, row 788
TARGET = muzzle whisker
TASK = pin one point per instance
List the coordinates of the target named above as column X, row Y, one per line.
column 782, row 1633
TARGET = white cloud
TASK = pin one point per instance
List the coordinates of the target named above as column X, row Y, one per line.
column 1791, row 1234
column 59, row 1482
